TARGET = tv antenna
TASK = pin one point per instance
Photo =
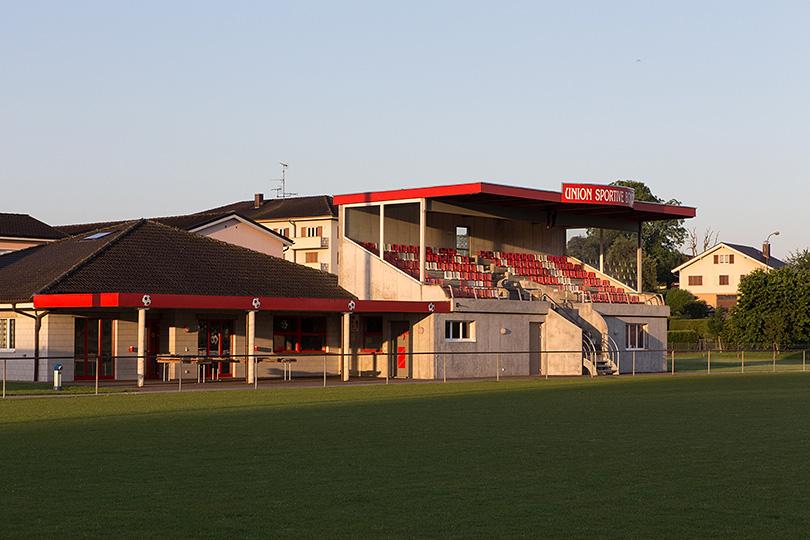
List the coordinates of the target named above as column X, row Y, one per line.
column 281, row 192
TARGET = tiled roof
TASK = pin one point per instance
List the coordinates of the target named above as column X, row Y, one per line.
column 180, row 222
column 291, row 207
column 756, row 254
column 149, row 257
column 24, row 226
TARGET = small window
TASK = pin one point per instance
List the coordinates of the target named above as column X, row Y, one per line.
column 372, row 334
column 724, row 259
column 96, row 236
column 635, row 337
column 311, row 232
column 463, row 241
column 458, row 331
column 7, row 334
column 311, row 257
column 695, row 281
column 723, row 280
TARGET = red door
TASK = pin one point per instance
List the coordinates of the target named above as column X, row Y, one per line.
column 213, row 340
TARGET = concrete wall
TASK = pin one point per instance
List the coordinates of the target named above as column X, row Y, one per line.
column 562, row 346
column 653, row 358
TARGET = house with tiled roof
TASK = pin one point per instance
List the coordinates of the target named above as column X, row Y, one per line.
column 20, row 231
column 111, row 302
column 226, row 225
column 311, row 222
column 714, row 275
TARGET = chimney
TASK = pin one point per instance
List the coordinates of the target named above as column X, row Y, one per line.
column 766, row 251
column 258, row 200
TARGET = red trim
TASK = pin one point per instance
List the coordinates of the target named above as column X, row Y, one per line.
column 177, row 301
column 478, row 188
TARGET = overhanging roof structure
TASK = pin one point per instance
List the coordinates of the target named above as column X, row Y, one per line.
column 529, row 200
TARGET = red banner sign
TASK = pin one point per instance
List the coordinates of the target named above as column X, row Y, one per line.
column 594, row 194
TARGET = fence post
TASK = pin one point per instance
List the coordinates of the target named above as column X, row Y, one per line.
column 324, row 372
column 4, row 378
column 742, row 369
column 498, row 366
column 804, row 355
column 673, row 361
column 444, row 366
column 709, row 364
column 634, row 363
column 774, row 360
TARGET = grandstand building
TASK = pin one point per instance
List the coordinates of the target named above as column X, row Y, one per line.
column 518, row 304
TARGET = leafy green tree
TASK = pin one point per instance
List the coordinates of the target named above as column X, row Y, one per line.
column 773, row 309
column 800, row 260
column 659, row 244
column 677, row 299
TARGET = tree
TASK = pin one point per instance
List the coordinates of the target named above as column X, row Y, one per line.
column 773, row 309
column 800, row 260
column 659, row 244
column 693, row 242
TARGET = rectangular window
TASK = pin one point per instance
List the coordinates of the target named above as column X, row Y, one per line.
column 311, row 256
column 724, row 259
column 372, row 334
column 7, row 334
column 463, row 241
column 93, row 349
column 283, row 231
column 458, row 331
column 310, row 232
column 723, row 280
column 695, row 280
column 299, row 334
column 634, row 337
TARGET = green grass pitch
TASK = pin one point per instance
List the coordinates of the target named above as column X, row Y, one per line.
column 721, row 456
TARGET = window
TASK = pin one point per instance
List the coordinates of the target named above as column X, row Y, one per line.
column 215, row 338
column 463, row 241
column 458, row 331
column 634, row 337
column 309, row 232
column 311, row 257
column 285, row 231
column 299, row 334
column 695, row 280
column 723, row 280
column 372, row 334
column 7, row 334
column 724, row 259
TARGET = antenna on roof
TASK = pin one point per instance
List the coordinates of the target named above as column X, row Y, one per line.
column 281, row 192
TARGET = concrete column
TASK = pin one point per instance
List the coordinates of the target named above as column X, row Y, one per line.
column 345, row 349
column 382, row 231
column 602, row 251
column 638, row 259
column 422, row 227
column 251, row 345
column 141, row 344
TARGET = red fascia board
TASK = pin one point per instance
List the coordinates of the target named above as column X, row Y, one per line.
column 479, row 188
column 244, row 303
column 474, row 188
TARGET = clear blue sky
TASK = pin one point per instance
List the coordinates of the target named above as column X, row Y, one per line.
column 113, row 110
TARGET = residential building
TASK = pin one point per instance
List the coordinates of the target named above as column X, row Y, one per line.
column 20, row 231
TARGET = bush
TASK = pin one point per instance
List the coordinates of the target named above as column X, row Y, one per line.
column 696, row 309
column 677, row 299
column 701, row 326
column 684, row 338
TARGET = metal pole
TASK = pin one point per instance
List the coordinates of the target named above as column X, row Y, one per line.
column 324, row 371
column 498, row 366
column 4, row 378
column 673, row 361
column 180, row 378
column 444, row 366
column 804, row 355
column 774, row 359
column 634, row 363
column 98, row 363
column 742, row 370
column 709, row 365
column 255, row 372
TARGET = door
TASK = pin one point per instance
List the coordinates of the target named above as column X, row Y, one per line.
column 535, row 362
column 152, row 349
column 401, row 350
column 93, row 348
column 214, row 339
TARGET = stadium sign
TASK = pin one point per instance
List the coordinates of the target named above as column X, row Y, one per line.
column 594, row 194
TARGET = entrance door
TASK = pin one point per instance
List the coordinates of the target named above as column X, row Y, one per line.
column 152, row 349
column 535, row 362
column 93, row 343
column 214, row 339
column 401, row 357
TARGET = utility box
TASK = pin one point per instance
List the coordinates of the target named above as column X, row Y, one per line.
column 57, row 377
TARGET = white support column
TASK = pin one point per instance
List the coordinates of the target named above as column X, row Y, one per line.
column 602, row 251
column 382, row 232
column 141, row 344
column 251, row 344
column 345, row 349
column 638, row 260
column 422, row 227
